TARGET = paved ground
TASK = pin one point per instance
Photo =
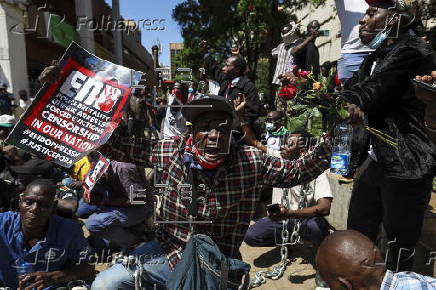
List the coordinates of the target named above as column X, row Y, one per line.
column 300, row 274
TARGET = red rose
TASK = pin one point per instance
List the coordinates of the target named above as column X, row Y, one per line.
column 288, row 92
column 303, row 74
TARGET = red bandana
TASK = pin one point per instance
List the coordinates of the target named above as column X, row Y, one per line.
column 198, row 156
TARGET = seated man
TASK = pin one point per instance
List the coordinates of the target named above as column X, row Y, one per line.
column 113, row 221
column 349, row 260
column 308, row 203
column 54, row 247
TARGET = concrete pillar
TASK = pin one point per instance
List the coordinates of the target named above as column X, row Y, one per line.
column 13, row 64
column 86, row 35
column 118, row 37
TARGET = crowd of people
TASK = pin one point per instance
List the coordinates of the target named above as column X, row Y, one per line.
column 196, row 170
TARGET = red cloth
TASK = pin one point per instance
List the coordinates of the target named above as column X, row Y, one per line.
column 198, row 156
column 179, row 95
column 337, row 81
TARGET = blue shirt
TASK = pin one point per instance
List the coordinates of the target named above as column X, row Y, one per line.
column 407, row 281
column 63, row 247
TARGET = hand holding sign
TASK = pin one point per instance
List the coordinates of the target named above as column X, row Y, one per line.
column 77, row 109
column 50, row 74
column 94, row 174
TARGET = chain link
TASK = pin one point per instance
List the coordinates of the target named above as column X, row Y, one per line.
column 278, row 271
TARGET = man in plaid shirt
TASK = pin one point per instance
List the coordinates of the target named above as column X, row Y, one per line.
column 228, row 174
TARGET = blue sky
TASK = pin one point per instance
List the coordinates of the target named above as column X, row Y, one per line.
column 154, row 9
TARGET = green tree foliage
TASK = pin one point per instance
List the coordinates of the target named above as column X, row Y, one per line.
column 249, row 24
column 262, row 79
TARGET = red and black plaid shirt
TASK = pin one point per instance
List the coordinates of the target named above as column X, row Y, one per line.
column 228, row 200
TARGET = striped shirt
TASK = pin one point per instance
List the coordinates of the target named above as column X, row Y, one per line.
column 407, row 281
column 285, row 60
column 228, row 200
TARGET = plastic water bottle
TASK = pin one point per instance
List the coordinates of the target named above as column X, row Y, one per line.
column 341, row 153
column 24, row 268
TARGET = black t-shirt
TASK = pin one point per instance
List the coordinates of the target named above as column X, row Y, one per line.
column 5, row 104
column 309, row 59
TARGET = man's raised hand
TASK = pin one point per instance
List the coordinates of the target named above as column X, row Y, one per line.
column 204, row 46
column 356, row 115
column 239, row 103
column 50, row 74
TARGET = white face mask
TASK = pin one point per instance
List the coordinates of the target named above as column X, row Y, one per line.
column 269, row 126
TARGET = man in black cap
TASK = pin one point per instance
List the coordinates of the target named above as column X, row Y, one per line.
column 395, row 187
column 227, row 174
column 227, row 177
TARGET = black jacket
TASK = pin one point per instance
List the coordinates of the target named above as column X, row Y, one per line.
column 244, row 86
column 388, row 98
column 308, row 59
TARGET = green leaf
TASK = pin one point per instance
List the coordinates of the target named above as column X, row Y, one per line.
column 343, row 113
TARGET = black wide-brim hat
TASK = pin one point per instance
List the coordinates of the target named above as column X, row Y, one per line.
column 192, row 110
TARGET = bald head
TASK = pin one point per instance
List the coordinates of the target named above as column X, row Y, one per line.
column 348, row 259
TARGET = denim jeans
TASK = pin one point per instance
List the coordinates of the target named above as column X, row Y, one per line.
column 348, row 64
column 267, row 233
column 110, row 225
column 155, row 271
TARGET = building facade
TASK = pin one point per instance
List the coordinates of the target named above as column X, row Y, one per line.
column 329, row 46
column 175, row 49
column 34, row 32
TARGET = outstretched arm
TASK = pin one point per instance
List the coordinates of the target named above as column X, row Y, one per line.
column 212, row 68
column 298, row 49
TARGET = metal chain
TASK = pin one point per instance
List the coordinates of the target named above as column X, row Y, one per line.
column 277, row 271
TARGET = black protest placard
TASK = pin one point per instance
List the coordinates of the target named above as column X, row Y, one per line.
column 70, row 118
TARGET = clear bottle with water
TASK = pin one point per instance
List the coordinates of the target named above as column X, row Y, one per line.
column 22, row 267
column 341, row 153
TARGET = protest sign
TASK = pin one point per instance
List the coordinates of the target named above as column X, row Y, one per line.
column 70, row 118
column 94, row 174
